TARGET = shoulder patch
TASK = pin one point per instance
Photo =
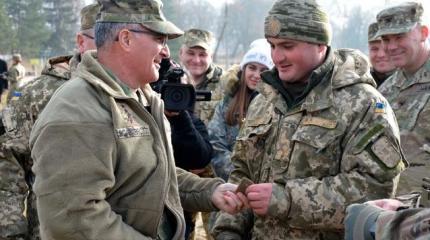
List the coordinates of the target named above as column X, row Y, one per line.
column 386, row 152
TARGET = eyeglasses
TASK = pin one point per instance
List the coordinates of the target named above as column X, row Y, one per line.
column 159, row 38
column 87, row 35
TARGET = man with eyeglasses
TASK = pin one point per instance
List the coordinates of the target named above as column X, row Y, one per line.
column 18, row 214
column 101, row 147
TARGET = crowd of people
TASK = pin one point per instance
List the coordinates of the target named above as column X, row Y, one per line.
column 298, row 141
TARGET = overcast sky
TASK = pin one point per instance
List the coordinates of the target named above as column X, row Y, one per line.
column 369, row 5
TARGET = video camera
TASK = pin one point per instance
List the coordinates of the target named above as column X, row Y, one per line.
column 177, row 96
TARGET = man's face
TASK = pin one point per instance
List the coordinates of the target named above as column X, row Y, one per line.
column 196, row 60
column 378, row 58
column 148, row 49
column 403, row 49
column 294, row 60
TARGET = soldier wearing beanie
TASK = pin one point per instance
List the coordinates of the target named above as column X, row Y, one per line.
column 317, row 138
column 102, row 146
column 18, row 118
column 381, row 65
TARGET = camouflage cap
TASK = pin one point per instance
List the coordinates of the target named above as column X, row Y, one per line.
column 198, row 38
column 371, row 32
column 302, row 20
column 89, row 15
column 399, row 19
column 146, row 12
column 17, row 57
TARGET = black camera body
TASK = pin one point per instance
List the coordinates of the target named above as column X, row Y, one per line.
column 178, row 96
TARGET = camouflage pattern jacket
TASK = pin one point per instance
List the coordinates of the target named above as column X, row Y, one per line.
column 221, row 135
column 339, row 146
column 205, row 109
column 104, row 164
column 16, row 73
column 16, row 177
column 410, row 100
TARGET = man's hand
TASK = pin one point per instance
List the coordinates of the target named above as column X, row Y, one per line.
column 226, row 200
column 259, row 197
column 387, row 204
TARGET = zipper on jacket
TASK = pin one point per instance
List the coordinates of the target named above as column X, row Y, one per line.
column 152, row 120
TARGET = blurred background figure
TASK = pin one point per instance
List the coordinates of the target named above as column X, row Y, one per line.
column 14, row 75
column 3, row 78
column 382, row 67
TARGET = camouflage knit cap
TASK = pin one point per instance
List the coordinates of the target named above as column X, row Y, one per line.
column 371, row 33
column 302, row 20
column 145, row 12
column 198, row 38
column 399, row 19
column 89, row 15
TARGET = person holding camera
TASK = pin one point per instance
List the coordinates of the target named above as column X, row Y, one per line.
column 190, row 139
column 241, row 82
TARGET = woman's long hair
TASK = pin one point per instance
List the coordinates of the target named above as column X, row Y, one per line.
column 238, row 106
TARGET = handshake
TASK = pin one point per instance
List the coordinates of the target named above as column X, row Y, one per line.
column 232, row 198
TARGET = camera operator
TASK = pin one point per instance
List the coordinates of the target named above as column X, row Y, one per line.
column 190, row 139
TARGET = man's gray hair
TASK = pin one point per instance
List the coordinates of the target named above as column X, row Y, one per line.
column 107, row 32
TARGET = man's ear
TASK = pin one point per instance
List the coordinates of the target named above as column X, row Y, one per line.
column 124, row 39
column 80, row 42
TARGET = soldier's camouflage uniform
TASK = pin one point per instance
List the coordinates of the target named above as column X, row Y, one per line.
column 409, row 96
column 16, row 178
column 339, row 146
column 15, row 74
column 205, row 109
column 410, row 100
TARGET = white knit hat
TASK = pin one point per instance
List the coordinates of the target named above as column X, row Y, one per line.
column 259, row 52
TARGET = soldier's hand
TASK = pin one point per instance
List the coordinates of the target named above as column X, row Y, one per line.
column 259, row 197
column 225, row 198
column 387, row 204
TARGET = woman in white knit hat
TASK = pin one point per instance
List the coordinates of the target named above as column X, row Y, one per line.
column 241, row 83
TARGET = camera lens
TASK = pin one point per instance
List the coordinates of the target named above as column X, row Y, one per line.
column 178, row 96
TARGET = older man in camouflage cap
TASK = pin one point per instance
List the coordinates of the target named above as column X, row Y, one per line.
column 405, row 39
column 101, row 147
column 18, row 119
column 318, row 137
column 382, row 67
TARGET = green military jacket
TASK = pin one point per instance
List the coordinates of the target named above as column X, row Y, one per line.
column 409, row 97
column 339, row 146
column 16, row 177
column 205, row 109
column 104, row 163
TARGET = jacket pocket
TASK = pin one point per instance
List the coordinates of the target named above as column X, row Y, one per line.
column 409, row 112
column 252, row 143
column 316, row 148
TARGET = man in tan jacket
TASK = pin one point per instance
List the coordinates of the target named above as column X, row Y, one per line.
column 101, row 148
